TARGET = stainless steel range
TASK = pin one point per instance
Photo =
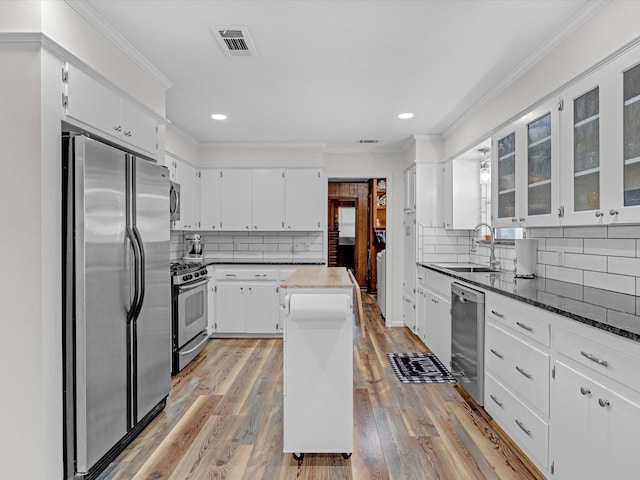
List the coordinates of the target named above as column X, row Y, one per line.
column 189, row 312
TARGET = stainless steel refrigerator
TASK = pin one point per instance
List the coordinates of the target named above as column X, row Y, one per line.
column 117, row 327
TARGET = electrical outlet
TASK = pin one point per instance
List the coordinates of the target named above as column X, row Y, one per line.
column 560, row 257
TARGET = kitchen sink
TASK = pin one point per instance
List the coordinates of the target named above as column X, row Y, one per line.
column 473, row 269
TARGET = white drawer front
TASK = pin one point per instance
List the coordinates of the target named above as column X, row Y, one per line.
column 532, row 322
column 528, row 430
column 522, row 367
column 245, row 275
column 617, row 358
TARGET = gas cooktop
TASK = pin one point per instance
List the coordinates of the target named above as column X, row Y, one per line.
column 182, row 273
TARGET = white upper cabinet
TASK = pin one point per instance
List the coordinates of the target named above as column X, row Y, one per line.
column 189, row 179
column 210, row 199
column 236, row 199
column 410, row 188
column 304, row 198
column 526, row 173
column 98, row 106
column 624, row 79
column 585, row 121
column 461, row 191
column 268, row 199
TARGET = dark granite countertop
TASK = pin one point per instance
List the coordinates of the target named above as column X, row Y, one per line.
column 614, row 312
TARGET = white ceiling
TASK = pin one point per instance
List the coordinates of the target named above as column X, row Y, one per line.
column 334, row 72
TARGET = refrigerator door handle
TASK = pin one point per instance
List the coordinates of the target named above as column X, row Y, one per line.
column 140, row 274
column 133, row 309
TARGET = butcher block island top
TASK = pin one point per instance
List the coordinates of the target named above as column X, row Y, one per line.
column 318, row 277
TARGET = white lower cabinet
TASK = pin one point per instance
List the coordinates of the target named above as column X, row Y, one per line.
column 595, row 406
column 230, row 308
column 517, row 374
column 409, row 313
column 262, row 308
column 526, row 428
column 436, row 333
column 246, row 301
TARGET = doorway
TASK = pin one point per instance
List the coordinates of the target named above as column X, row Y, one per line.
column 356, row 228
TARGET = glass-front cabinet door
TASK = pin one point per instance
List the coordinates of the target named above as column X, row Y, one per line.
column 505, row 182
column 624, row 77
column 541, row 193
column 582, row 169
column 525, row 185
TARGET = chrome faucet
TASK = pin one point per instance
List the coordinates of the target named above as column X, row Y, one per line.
column 493, row 263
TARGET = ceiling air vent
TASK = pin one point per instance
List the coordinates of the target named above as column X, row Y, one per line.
column 235, row 41
column 368, row 141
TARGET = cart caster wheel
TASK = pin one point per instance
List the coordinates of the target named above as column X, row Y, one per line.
column 298, row 457
column 346, row 456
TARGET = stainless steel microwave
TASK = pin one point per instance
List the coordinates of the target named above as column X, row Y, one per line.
column 174, row 202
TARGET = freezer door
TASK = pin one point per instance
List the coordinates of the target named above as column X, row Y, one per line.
column 153, row 326
column 102, row 297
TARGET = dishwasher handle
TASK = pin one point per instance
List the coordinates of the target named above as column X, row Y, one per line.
column 465, row 294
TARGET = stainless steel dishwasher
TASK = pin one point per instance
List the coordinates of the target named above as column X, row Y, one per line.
column 467, row 339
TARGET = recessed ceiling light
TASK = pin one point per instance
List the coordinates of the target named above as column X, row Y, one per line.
column 404, row 116
column 218, row 116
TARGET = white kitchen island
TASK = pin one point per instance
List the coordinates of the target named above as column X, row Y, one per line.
column 318, row 362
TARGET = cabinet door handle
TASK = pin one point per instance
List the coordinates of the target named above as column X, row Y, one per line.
column 528, row 375
column 497, row 314
column 585, row 391
column 599, row 213
column 524, row 326
column 514, row 220
column 499, row 355
column 522, row 427
column 229, row 274
column 521, row 219
column 604, row 363
column 499, row 403
column 613, row 212
column 603, row 403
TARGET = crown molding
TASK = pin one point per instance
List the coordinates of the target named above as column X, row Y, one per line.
column 319, row 146
column 545, row 48
column 87, row 12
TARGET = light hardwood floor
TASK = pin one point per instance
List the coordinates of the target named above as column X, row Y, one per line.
column 224, row 420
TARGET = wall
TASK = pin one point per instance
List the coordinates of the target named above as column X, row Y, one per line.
column 23, row 406
column 613, row 26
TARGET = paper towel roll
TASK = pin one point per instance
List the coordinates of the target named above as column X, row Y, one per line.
column 319, row 306
column 526, row 253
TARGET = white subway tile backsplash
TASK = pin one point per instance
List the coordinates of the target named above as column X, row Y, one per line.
column 585, row 232
column 624, row 266
column 612, row 247
column 609, row 281
column 624, row 231
column 564, row 274
column 549, row 232
column 547, row 258
column 585, row 262
column 573, row 245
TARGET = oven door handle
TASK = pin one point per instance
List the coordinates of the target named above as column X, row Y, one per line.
column 191, row 350
column 191, row 286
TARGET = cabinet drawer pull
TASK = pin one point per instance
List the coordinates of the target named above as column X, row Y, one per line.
column 528, row 375
column 585, row 391
column 603, row 403
column 229, row 274
column 499, row 403
column 522, row 427
column 524, row 326
column 604, row 363
column 499, row 355
column 497, row 314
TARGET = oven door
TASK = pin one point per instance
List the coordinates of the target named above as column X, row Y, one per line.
column 192, row 310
